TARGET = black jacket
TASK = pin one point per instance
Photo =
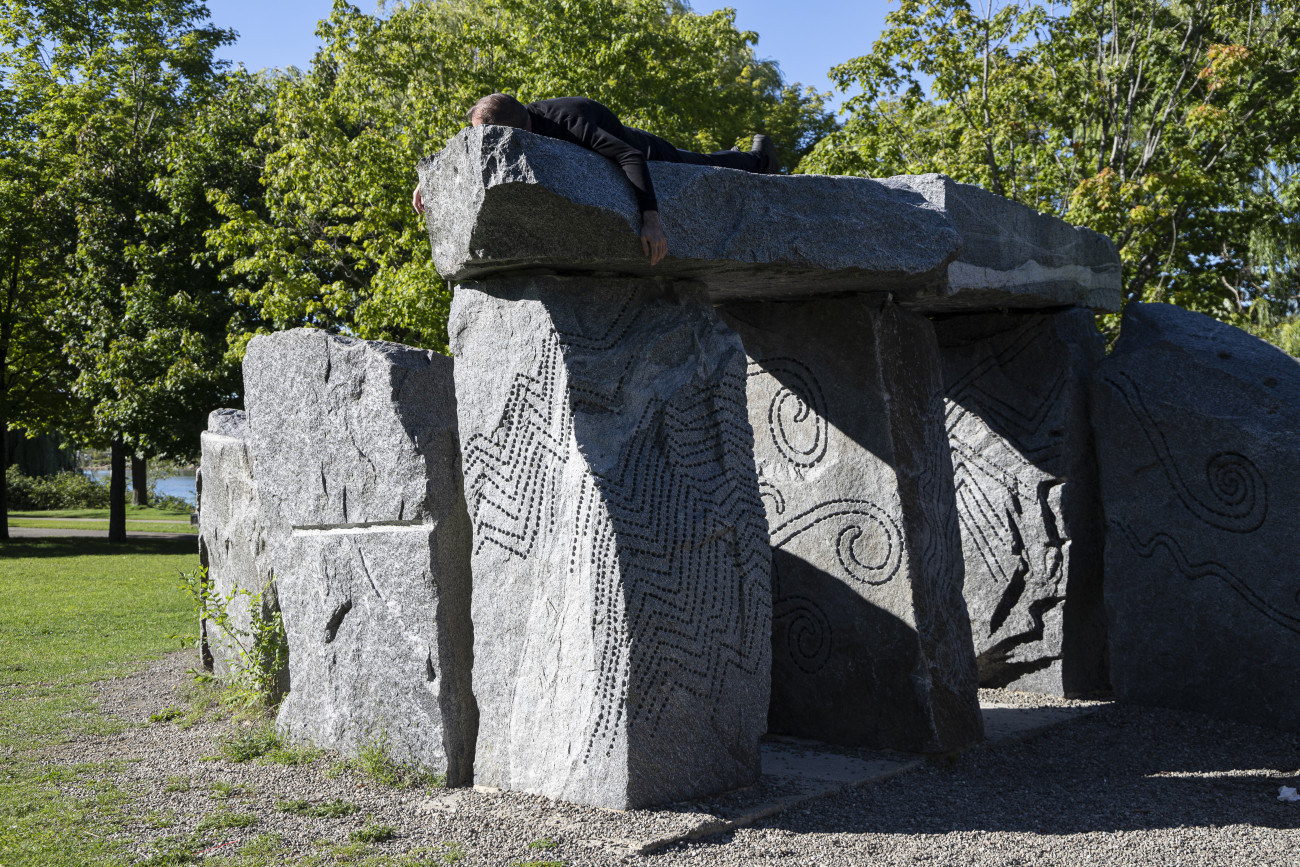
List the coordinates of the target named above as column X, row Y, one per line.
column 586, row 122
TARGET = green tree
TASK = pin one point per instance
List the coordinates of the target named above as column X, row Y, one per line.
column 1173, row 126
column 335, row 245
column 119, row 80
column 35, row 236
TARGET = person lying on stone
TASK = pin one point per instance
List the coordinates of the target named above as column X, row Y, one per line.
column 586, row 122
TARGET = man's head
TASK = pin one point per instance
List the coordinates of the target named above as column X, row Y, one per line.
column 499, row 109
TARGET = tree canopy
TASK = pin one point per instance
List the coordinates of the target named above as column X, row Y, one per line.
column 335, row 244
column 1173, row 126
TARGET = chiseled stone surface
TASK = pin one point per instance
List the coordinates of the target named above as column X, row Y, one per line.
column 1198, row 436
column 1027, row 497
column 500, row 199
column 358, row 473
column 232, row 540
column 1011, row 255
column 622, row 604
column 871, row 644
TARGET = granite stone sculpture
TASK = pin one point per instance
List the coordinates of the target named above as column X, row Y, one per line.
column 232, row 550
column 1012, row 256
column 870, row 645
column 1197, row 428
column 499, row 199
column 1026, row 481
column 621, row 597
column 358, row 475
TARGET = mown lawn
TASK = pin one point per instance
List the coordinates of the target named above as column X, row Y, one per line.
column 73, row 611
column 133, row 513
column 131, row 526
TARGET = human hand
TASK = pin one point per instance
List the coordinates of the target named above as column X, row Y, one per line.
column 654, row 243
column 417, row 201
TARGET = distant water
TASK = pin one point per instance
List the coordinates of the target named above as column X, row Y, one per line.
column 173, row 486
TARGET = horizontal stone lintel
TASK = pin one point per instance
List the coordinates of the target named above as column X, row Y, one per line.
column 501, row 200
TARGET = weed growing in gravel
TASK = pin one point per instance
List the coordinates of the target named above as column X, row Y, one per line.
column 264, row 846
column 177, row 784
column 537, row 864
column 223, row 790
column 329, row 810
column 302, row 754
column 543, row 844
column 167, row 714
column 226, row 819
column 243, row 745
column 159, row 819
column 373, row 832
column 374, row 760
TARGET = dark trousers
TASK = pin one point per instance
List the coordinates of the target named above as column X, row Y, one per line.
column 662, row 150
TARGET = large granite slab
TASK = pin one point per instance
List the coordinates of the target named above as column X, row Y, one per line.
column 358, row 471
column 871, row 645
column 622, row 605
column 1026, row 477
column 232, row 547
column 501, row 199
column 1198, row 438
column 1011, row 255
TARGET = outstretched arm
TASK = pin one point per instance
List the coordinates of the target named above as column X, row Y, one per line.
column 417, row 200
column 654, row 243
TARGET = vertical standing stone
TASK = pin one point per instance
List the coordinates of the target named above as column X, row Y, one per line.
column 621, row 593
column 1026, row 478
column 1198, row 441
column 232, row 544
column 358, row 473
column 870, row 644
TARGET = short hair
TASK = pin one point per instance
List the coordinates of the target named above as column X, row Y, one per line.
column 499, row 109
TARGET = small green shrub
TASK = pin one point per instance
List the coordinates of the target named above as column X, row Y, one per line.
column 373, row 833
column 168, row 714
column 67, row 490
column 374, row 760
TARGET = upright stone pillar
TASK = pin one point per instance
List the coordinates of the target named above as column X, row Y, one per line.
column 358, row 470
column 870, row 644
column 1198, row 440
column 232, row 547
column 1027, row 496
column 621, row 590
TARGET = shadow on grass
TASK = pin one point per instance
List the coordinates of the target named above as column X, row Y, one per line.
column 90, row 546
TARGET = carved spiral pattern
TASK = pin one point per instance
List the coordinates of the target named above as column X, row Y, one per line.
column 1235, row 482
column 867, row 539
column 807, row 632
column 796, row 415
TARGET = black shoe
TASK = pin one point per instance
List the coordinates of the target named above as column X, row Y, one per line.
column 766, row 153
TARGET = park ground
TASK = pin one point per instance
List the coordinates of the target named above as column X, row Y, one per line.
column 113, row 753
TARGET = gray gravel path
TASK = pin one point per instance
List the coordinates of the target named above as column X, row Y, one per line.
column 1123, row 786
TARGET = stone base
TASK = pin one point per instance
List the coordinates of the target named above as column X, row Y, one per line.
column 871, row 645
column 621, row 567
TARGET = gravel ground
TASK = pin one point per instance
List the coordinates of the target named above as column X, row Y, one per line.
column 1123, row 786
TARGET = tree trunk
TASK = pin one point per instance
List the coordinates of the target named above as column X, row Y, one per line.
column 139, row 481
column 117, row 493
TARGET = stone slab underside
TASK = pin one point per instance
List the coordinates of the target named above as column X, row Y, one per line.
column 358, row 468
column 232, row 541
column 1198, row 435
column 500, row 199
column 621, row 569
column 1026, row 478
column 871, row 644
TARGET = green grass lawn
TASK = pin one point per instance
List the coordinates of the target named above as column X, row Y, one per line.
column 73, row 611
column 131, row 525
column 133, row 513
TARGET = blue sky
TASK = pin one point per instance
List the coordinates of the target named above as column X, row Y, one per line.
column 807, row 38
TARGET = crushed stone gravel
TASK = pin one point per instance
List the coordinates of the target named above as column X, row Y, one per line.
column 1122, row 786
